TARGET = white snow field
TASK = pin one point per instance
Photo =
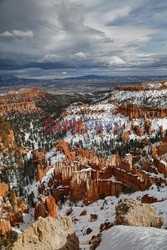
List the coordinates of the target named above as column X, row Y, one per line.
column 134, row 238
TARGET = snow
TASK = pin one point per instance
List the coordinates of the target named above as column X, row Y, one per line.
column 156, row 98
column 105, row 209
column 120, row 237
column 27, row 136
column 102, row 112
column 133, row 238
column 54, row 156
column 156, row 123
column 28, row 219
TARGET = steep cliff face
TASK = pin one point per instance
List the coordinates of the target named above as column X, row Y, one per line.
column 48, row 233
column 5, row 226
column 144, row 86
column 21, row 107
column 3, row 189
column 64, row 147
column 162, row 148
column 11, row 209
column 22, row 101
column 89, row 177
column 46, row 206
column 7, row 138
column 23, row 95
column 40, row 163
column 126, row 135
column 134, row 111
column 33, row 100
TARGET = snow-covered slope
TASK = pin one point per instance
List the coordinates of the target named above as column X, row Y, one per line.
column 134, row 238
column 155, row 98
column 105, row 211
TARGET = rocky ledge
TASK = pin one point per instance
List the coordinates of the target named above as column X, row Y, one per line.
column 48, row 233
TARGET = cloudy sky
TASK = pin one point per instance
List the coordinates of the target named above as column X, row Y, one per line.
column 61, row 38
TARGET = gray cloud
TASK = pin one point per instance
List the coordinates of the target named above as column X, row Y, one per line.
column 66, row 34
column 49, row 59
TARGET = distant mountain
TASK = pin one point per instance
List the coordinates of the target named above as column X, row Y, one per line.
column 88, row 83
column 88, row 77
column 7, row 77
column 122, row 78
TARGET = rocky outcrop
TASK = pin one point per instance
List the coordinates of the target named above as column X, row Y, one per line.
column 148, row 199
column 126, row 135
column 48, row 233
column 10, row 140
column 40, row 163
column 3, row 189
column 143, row 86
column 64, row 147
column 5, row 226
column 165, row 138
column 46, row 206
column 148, row 128
column 93, row 217
column 95, row 241
column 88, row 231
column 23, row 95
column 105, row 226
column 22, row 107
column 89, row 177
column 11, row 209
column 83, row 213
column 22, row 101
column 131, row 212
column 153, row 151
column 7, row 142
column 7, row 138
column 138, row 131
column 134, row 111
column 161, row 165
column 162, row 148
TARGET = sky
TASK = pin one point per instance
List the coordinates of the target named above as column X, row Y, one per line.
column 62, row 38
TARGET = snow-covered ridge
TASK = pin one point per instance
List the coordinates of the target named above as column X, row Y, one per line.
column 126, row 238
column 155, row 98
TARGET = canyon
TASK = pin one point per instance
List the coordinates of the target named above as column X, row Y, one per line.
column 22, row 101
column 117, row 150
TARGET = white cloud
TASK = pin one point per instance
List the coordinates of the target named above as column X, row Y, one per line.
column 117, row 13
column 16, row 34
column 77, row 33
column 80, row 56
column 49, row 59
column 113, row 61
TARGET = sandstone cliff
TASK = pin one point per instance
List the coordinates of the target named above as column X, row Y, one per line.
column 46, row 206
column 144, row 86
column 135, row 111
column 22, row 101
column 85, row 176
column 11, row 209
